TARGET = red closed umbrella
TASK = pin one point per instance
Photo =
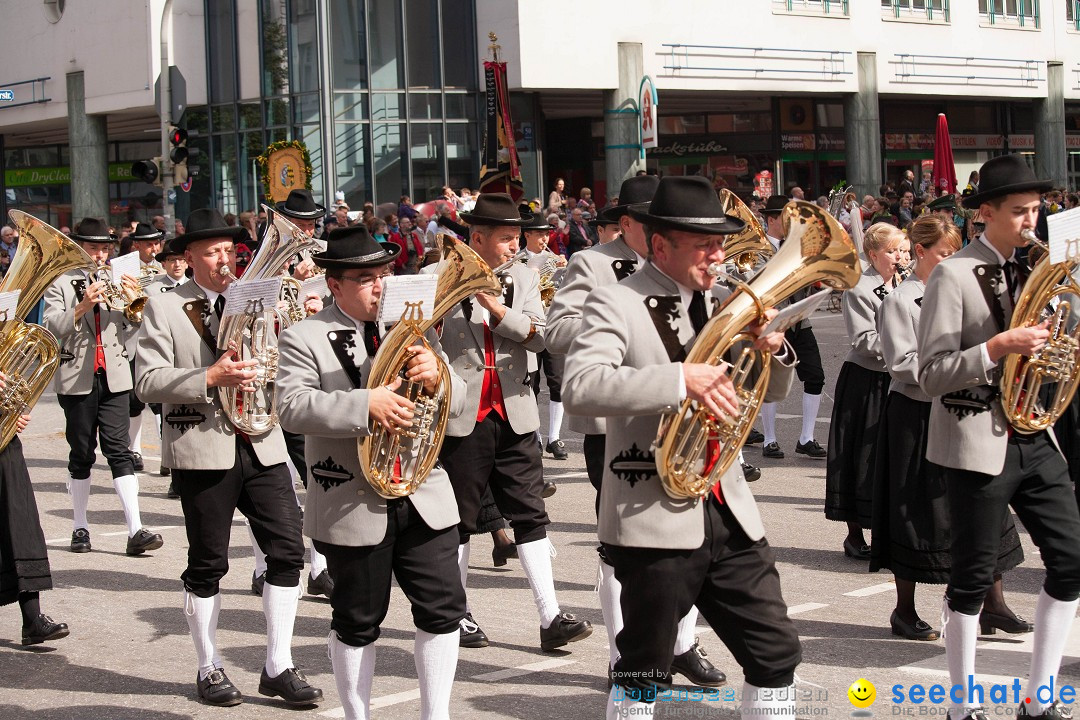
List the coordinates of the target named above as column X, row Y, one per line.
column 944, row 176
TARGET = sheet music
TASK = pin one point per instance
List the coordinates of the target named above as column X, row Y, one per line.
column 8, row 301
column 126, row 265
column 796, row 312
column 1064, row 231
column 400, row 289
column 316, row 285
column 256, row 296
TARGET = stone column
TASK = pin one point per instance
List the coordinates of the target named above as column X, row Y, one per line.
column 622, row 157
column 1050, row 156
column 88, row 142
column 862, row 131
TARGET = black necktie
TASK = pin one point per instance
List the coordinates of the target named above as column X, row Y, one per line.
column 1015, row 277
column 219, row 306
column 371, row 338
column 698, row 315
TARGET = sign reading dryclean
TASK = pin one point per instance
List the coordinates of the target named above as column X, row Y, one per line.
column 60, row 175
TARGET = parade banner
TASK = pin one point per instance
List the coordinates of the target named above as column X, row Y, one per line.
column 284, row 167
column 500, row 171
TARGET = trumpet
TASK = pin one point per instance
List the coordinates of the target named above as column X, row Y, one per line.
column 118, row 297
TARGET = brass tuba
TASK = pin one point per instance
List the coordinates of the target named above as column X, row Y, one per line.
column 746, row 247
column 462, row 273
column 29, row 354
column 118, row 297
column 1055, row 362
column 816, row 249
column 254, row 331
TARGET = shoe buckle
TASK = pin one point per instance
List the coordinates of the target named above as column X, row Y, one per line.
column 468, row 626
column 216, row 677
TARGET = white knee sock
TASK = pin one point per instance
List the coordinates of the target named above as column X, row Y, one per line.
column 354, row 669
column 555, row 416
column 610, row 591
column 463, row 568
column 157, row 419
column 127, row 489
column 135, row 434
column 763, row 703
column 619, row 706
column 1053, row 619
column 279, row 606
column 202, row 619
column 318, row 560
column 260, row 556
column 768, row 422
column 810, row 405
column 960, row 632
column 535, row 559
column 687, row 630
column 436, row 659
column 80, row 498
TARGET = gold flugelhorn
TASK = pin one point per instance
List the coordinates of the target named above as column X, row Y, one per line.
column 745, row 248
column 816, row 249
column 118, row 297
column 1055, row 362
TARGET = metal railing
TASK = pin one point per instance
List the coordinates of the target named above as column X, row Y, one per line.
column 964, row 70
column 757, row 62
column 1025, row 13
column 825, row 7
column 932, row 10
column 37, row 84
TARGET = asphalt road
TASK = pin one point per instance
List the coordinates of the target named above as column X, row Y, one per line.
column 129, row 655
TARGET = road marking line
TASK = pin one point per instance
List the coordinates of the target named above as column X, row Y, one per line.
column 872, row 590
column 566, row 476
column 785, row 416
column 805, row 607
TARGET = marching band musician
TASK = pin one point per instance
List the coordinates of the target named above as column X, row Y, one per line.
column 146, row 240
column 493, row 442
column 365, row 538
column 304, row 212
column 93, row 384
column 217, row 469
column 671, row 554
column 964, row 333
column 605, row 265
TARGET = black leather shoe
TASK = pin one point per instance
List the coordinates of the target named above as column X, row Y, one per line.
column 80, row 540
column 810, row 449
column 174, row 494
column 257, row 582
column 549, row 489
column 217, row 689
column 142, row 541
column 772, row 450
column 859, row 552
column 291, row 686
column 694, row 665
column 165, row 472
column 565, row 628
column 754, row 437
column 43, row 630
column 919, row 631
column 471, row 634
column 990, row 623
column 137, row 462
column 1056, row 711
column 750, row 472
column 322, row 585
column 976, row 714
column 558, row 449
column 499, row 555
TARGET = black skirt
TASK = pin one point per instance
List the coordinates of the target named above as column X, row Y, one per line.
column 24, row 560
column 849, row 474
column 911, row 508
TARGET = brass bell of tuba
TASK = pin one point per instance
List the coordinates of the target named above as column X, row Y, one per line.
column 815, row 249
column 118, row 297
column 1055, row 362
column 462, row 273
column 746, row 247
column 254, row 332
column 29, row 354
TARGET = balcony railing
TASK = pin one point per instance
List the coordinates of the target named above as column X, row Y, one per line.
column 823, row 7
column 760, row 63
column 10, row 98
column 960, row 70
column 929, row 10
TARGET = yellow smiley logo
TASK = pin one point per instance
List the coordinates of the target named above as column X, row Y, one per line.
column 862, row 693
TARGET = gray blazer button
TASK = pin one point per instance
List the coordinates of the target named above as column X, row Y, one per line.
column 468, row 365
column 462, row 336
column 510, row 366
column 359, row 492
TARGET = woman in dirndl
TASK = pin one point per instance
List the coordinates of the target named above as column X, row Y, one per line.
column 860, row 392
column 911, row 512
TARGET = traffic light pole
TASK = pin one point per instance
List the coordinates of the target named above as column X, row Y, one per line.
column 166, row 121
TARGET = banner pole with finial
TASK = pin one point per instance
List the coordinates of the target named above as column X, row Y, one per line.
column 494, row 47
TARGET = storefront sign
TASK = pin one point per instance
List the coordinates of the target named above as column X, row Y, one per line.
column 977, row 142
column 763, row 184
column 60, row 175
column 647, row 107
column 677, row 148
column 831, row 142
column 728, row 165
column 797, row 141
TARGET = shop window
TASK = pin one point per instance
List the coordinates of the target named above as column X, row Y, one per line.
column 681, row 125
column 352, row 159
column 460, row 106
column 1010, row 13
column 426, row 157
column 388, row 158
column 932, row 10
column 830, row 115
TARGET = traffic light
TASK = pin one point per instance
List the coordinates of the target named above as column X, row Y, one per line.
column 146, row 171
column 179, row 153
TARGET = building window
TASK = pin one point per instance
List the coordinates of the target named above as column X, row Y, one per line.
column 1072, row 13
column 1010, row 13
column 932, row 10
column 817, row 7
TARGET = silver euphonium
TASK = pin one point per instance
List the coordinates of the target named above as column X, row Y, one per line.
column 253, row 333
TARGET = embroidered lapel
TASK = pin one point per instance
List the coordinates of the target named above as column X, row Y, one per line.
column 623, row 269
column 991, row 280
column 665, row 311
column 198, row 313
column 343, row 343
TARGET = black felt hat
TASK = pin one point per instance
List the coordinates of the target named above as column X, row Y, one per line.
column 605, row 217
column 300, row 205
column 146, row 232
column 93, row 230
column 774, row 205
column 206, row 224
column 1005, row 175
column 945, row 202
column 166, row 251
column 638, row 190
column 537, row 221
column 689, row 204
column 495, row 209
column 353, row 247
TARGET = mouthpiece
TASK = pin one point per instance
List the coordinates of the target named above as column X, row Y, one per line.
column 1029, row 235
column 226, row 271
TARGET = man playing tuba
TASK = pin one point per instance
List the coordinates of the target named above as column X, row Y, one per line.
column 367, row 540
